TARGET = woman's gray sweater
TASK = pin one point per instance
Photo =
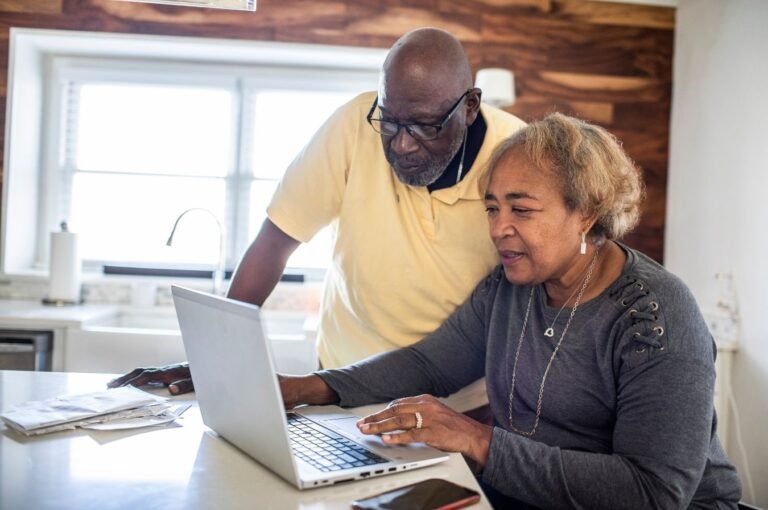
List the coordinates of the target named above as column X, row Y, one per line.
column 627, row 418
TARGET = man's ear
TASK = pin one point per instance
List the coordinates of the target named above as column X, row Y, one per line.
column 472, row 104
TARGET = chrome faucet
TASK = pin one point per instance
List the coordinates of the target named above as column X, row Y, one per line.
column 218, row 273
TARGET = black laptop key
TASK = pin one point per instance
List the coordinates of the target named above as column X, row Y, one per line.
column 324, row 449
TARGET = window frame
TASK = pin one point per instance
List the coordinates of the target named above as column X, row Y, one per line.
column 53, row 57
column 60, row 169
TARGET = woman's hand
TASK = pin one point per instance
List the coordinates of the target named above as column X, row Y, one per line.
column 439, row 426
column 305, row 389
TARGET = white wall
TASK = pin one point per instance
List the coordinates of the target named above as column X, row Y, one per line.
column 717, row 211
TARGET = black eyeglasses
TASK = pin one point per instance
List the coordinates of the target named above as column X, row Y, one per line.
column 422, row 132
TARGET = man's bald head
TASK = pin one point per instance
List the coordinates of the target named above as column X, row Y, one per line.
column 426, row 80
column 427, row 58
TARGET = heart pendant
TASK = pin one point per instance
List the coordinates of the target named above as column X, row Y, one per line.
column 549, row 332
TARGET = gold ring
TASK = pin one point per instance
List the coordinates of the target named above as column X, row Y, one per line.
column 419, row 420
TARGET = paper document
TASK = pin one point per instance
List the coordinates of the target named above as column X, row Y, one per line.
column 165, row 413
column 70, row 411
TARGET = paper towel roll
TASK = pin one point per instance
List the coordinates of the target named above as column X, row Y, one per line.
column 64, row 267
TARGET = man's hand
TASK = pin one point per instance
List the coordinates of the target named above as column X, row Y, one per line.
column 425, row 419
column 176, row 377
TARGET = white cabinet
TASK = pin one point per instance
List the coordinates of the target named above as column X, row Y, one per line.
column 114, row 351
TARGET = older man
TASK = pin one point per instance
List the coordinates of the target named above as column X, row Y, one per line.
column 396, row 173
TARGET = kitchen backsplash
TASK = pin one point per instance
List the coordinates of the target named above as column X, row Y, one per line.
column 144, row 293
column 12, row 289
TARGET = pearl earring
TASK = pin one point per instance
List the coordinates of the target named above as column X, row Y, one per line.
column 583, row 247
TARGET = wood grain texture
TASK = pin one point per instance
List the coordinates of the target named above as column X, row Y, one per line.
column 608, row 63
column 31, row 7
column 618, row 14
column 529, row 108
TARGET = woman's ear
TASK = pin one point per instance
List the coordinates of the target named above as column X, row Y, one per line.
column 587, row 223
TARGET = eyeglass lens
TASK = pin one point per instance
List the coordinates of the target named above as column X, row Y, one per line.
column 418, row 131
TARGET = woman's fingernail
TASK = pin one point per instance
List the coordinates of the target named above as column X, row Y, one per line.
column 365, row 427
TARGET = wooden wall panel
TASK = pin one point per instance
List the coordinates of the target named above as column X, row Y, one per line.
column 617, row 14
column 25, row 6
column 608, row 63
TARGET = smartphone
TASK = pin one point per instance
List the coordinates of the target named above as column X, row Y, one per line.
column 432, row 494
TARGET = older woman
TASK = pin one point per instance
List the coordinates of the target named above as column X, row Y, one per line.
column 599, row 365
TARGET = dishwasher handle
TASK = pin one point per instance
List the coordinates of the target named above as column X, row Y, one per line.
column 6, row 348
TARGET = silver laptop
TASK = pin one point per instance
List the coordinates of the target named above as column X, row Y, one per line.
column 239, row 397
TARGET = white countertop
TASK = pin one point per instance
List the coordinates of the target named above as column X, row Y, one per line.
column 35, row 315
column 179, row 466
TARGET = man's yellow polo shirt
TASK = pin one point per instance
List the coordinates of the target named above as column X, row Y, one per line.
column 403, row 258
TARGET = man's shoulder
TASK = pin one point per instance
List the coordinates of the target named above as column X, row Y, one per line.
column 500, row 119
column 362, row 101
column 348, row 120
column 500, row 125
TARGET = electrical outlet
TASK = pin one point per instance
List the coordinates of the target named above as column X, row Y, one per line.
column 723, row 325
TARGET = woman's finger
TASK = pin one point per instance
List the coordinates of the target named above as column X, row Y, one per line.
column 406, row 436
column 391, row 411
column 402, row 421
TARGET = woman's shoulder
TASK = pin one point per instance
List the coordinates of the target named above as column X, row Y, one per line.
column 643, row 271
column 657, row 314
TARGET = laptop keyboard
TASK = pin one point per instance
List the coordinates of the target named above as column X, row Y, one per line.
column 324, row 449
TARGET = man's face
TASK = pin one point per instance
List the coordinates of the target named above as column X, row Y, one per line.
column 415, row 161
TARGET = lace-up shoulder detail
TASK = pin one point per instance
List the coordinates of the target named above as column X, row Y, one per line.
column 644, row 325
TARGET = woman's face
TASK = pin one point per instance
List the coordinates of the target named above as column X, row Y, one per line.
column 537, row 237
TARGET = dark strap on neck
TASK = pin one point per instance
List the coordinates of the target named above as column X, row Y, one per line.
column 475, row 137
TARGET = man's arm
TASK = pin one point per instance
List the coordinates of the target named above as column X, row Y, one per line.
column 256, row 276
column 262, row 265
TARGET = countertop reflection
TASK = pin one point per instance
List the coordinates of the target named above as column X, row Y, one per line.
column 181, row 465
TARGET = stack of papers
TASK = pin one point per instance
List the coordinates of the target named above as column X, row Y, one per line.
column 118, row 408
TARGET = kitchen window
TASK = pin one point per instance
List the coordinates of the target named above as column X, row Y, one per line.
column 140, row 149
column 127, row 144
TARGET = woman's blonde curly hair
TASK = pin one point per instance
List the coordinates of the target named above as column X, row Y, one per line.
column 596, row 176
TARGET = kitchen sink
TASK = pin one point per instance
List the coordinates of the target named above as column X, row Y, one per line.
column 158, row 318
column 133, row 336
column 277, row 323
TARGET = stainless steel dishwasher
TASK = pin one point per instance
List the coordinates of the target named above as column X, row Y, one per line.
column 25, row 349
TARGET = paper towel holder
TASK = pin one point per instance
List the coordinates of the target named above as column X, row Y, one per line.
column 64, row 302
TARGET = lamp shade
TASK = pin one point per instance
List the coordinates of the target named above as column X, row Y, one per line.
column 498, row 86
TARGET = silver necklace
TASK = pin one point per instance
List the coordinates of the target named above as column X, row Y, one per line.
column 531, row 432
column 550, row 331
column 461, row 162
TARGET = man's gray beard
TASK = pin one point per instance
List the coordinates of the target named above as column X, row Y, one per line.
column 432, row 170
